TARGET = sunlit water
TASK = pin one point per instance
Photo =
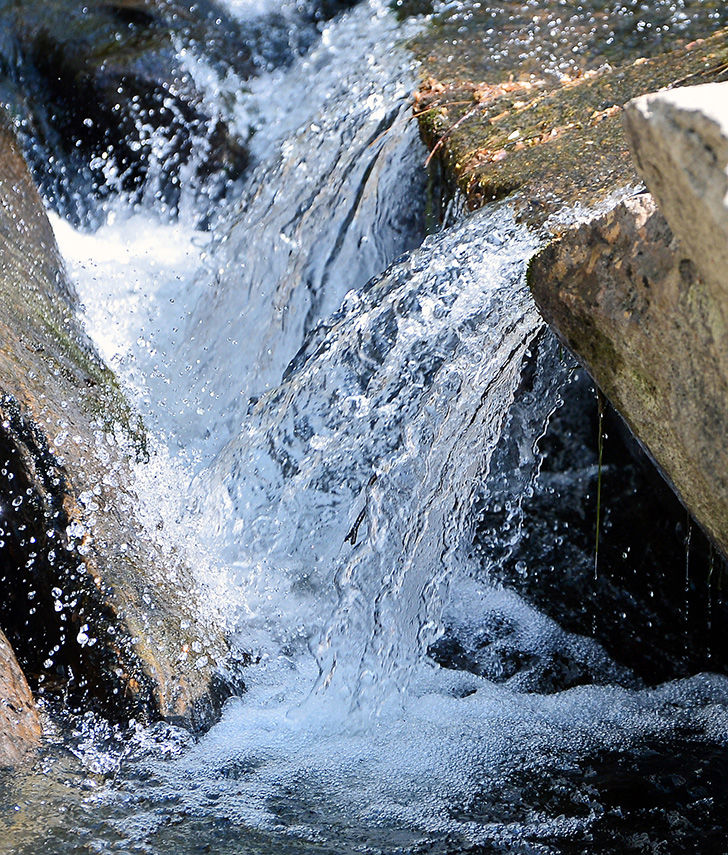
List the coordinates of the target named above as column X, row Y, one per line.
column 325, row 392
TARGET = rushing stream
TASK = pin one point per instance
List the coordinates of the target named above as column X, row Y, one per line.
column 339, row 404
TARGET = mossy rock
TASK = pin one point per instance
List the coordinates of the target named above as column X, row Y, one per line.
column 549, row 133
column 97, row 614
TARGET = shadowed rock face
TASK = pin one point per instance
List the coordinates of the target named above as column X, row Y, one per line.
column 19, row 724
column 92, row 608
column 106, row 101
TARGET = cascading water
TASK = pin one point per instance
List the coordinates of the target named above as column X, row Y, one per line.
column 349, row 486
column 330, row 204
column 347, row 418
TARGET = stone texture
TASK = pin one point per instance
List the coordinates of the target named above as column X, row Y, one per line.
column 96, row 613
column 20, row 729
column 531, row 107
column 622, row 293
column 679, row 139
column 501, row 122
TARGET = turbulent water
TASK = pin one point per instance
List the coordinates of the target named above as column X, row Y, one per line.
column 337, row 404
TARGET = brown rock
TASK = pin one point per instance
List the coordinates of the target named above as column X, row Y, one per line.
column 621, row 293
column 19, row 724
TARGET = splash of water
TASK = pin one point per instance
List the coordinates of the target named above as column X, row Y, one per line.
column 329, row 208
column 334, row 522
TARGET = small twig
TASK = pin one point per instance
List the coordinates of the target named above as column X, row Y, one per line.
column 716, row 69
column 441, row 104
column 450, row 130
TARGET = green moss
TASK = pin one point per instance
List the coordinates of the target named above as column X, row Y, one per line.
column 42, row 323
column 108, row 404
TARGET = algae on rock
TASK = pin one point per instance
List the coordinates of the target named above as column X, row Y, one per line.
column 537, row 113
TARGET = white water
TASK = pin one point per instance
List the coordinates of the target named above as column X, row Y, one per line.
column 329, row 509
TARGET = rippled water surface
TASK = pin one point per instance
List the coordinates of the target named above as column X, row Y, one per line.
column 352, row 425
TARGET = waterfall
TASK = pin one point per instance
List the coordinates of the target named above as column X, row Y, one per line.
column 336, row 403
column 337, row 195
column 348, row 492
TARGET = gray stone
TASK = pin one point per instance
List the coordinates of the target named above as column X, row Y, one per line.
column 679, row 139
column 622, row 293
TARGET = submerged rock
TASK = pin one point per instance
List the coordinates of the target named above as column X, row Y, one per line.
column 19, row 724
column 95, row 611
column 108, row 93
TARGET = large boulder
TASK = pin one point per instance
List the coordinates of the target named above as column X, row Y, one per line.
column 643, row 311
column 622, row 293
column 95, row 611
column 641, row 295
column 679, row 139
column 20, row 729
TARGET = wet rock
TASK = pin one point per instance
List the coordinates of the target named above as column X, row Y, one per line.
column 98, row 615
column 103, row 95
column 20, row 729
column 621, row 292
column 529, row 106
